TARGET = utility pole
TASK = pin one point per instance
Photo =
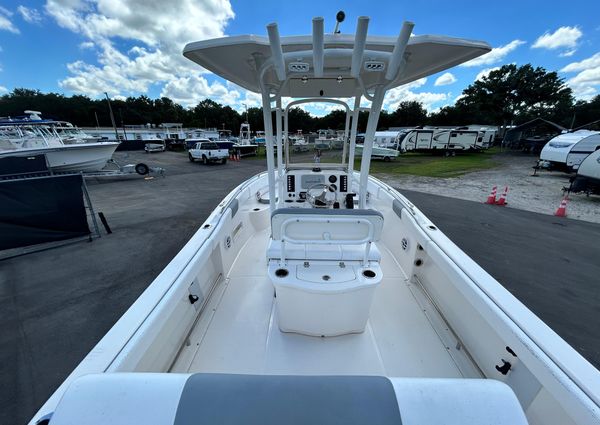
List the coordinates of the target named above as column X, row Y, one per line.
column 97, row 123
column 112, row 117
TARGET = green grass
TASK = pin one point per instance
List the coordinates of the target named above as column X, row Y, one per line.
column 417, row 164
column 427, row 165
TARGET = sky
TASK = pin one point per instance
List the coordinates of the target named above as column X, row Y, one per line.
column 133, row 47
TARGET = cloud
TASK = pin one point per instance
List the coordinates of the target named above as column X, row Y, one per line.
column 485, row 72
column 3, row 90
column 495, row 55
column 30, row 15
column 189, row 90
column 86, row 45
column 564, row 37
column 405, row 93
column 154, row 32
column 591, row 62
column 567, row 53
column 585, row 84
column 5, row 23
column 445, row 79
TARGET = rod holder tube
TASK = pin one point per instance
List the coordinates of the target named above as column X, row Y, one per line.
column 318, row 46
column 360, row 41
column 276, row 51
column 398, row 52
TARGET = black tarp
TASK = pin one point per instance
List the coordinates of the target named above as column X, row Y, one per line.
column 131, row 145
column 14, row 165
column 40, row 210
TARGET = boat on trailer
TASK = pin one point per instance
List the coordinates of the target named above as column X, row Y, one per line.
column 315, row 293
column 65, row 147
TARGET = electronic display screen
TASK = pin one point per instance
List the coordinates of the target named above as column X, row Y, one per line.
column 308, row 180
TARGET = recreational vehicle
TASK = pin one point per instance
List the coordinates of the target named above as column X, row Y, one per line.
column 436, row 139
column 321, row 295
column 588, row 175
column 566, row 151
column 387, row 139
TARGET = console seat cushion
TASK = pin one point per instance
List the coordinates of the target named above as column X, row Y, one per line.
column 321, row 252
column 306, row 225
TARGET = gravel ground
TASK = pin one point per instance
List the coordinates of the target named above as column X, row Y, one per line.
column 540, row 194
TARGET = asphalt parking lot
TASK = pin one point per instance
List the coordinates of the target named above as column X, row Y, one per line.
column 55, row 305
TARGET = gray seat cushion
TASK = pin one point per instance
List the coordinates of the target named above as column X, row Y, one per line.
column 211, row 399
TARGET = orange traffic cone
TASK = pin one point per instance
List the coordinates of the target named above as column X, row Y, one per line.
column 502, row 200
column 492, row 198
column 231, row 156
column 562, row 209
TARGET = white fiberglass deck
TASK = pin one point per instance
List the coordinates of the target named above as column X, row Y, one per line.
column 238, row 331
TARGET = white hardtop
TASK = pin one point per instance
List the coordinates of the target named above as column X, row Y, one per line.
column 238, row 59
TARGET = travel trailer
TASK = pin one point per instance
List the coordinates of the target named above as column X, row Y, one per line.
column 587, row 179
column 566, row 151
column 320, row 294
column 445, row 140
column 387, row 139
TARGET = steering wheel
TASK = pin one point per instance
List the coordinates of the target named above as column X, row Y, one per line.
column 321, row 195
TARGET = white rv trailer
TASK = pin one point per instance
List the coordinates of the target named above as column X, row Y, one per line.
column 588, row 175
column 387, row 139
column 566, row 151
column 321, row 294
column 444, row 139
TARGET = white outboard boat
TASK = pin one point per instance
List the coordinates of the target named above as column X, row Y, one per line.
column 66, row 148
column 315, row 293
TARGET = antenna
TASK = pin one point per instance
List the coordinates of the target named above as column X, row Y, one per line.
column 339, row 18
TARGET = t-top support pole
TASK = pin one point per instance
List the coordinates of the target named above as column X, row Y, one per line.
column 286, row 132
column 353, row 130
column 266, row 104
column 346, row 134
column 365, row 164
column 279, row 146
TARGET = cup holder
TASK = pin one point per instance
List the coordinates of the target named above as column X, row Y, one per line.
column 281, row 273
column 369, row 274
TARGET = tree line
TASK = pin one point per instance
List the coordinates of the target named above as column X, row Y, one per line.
column 510, row 94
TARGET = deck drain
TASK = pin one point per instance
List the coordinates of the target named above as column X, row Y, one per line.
column 404, row 244
column 369, row 274
column 418, row 262
column 281, row 272
column 326, row 277
column 256, row 209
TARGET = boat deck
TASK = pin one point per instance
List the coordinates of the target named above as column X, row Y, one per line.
column 238, row 331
